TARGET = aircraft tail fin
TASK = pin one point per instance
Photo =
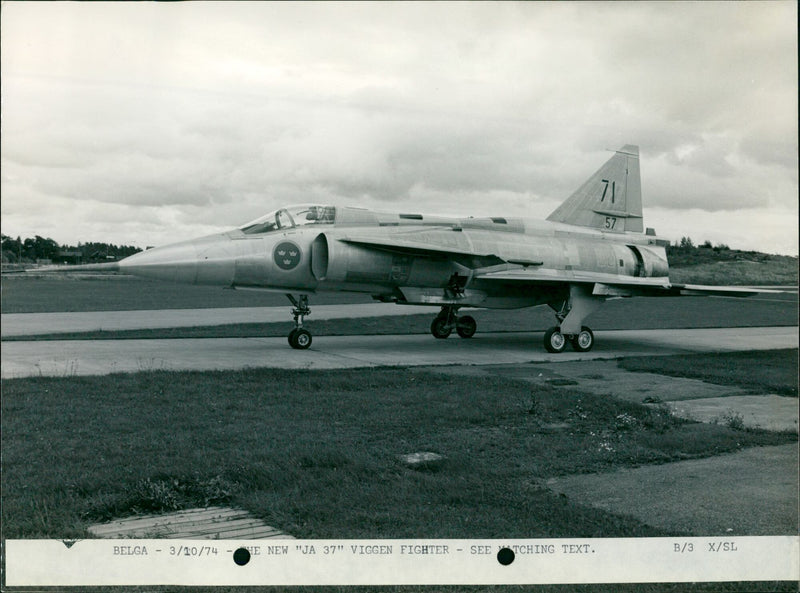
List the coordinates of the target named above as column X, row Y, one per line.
column 611, row 199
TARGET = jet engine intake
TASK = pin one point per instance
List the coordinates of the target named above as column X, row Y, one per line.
column 339, row 265
column 335, row 262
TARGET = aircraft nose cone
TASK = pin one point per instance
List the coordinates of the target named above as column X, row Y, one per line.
column 173, row 263
column 208, row 260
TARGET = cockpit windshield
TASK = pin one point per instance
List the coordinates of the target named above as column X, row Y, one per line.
column 290, row 217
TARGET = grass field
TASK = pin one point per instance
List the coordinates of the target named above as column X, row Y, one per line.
column 730, row 266
column 315, row 453
column 97, row 292
column 767, row 273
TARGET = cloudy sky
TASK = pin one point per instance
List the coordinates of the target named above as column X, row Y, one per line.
column 147, row 123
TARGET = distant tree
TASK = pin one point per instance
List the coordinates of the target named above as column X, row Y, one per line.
column 686, row 243
column 45, row 248
column 39, row 248
column 12, row 249
column 95, row 251
column 706, row 244
column 30, row 250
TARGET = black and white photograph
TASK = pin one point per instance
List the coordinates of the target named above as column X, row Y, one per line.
column 475, row 295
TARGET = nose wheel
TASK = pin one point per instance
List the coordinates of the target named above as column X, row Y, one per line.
column 299, row 337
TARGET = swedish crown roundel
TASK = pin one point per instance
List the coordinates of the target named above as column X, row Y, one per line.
column 286, row 255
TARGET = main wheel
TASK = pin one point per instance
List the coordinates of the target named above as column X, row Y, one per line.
column 584, row 341
column 439, row 328
column 554, row 340
column 466, row 326
column 300, row 339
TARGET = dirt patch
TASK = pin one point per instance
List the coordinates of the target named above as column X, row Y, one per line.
column 604, row 377
column 768, row 412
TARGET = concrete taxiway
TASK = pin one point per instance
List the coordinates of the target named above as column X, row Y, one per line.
column 30, row 324
column 101, row 357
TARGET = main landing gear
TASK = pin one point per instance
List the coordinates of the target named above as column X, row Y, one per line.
column 555, row 341
column 447, row 320
column 570, row 312
column 299, row 338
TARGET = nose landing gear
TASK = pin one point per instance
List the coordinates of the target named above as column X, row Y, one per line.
column 299, row 338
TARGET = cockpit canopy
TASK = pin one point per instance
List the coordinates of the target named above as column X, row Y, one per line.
column 290, row 217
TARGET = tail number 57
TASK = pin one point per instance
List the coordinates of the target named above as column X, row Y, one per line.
column 611, row 222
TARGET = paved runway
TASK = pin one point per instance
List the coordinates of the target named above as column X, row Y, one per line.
column 30, row 324
column 87, row 357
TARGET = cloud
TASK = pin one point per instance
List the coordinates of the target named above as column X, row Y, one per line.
column 205, row 114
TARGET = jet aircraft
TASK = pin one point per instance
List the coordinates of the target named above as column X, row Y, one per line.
column 591, row 248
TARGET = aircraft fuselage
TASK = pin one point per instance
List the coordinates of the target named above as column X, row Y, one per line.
column 591, row 248
column 357, row 251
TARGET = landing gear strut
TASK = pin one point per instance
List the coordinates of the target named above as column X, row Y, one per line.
column 299, row 338
column 447, row 320
column 569, row 314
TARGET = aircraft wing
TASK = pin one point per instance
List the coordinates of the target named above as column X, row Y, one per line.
column 416, row 244
column 731, row 291
column 613, row 285
column 430, row 244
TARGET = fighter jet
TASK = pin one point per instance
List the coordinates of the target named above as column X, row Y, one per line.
column 591, row 248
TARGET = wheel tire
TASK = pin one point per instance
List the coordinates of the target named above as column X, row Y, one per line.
column 439, row 328
column 466, row 326
column 554, row 341
column 584, row 341
column 300, row 339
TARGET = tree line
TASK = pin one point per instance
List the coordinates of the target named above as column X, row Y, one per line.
column 19, row 251
column 687, row 243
